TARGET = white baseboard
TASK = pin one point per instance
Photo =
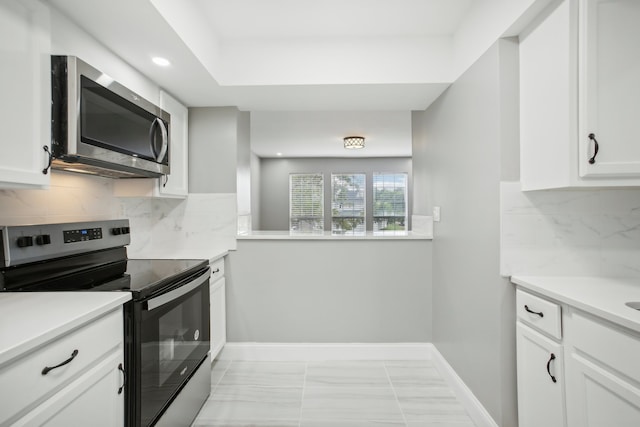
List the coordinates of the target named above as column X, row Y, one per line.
column 476, row 411
column 330, row 351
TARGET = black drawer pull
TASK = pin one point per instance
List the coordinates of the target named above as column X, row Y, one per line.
column 539, row 313
column 46, row 369
column 217, row 270
column 553, row 357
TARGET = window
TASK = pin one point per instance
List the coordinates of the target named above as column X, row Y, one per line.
column 389, row 203
column 356, row 203
column 348, row 204
column 306, row 204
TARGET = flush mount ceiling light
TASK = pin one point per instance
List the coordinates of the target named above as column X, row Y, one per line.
column 163, row 62
column 353, row 142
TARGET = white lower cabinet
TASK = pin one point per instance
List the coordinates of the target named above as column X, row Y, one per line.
column 540, row 359
column 595, row 364
column 91, row 394
column 217, row 290
column 540, row 379
column 603, row 373
column 77, row 376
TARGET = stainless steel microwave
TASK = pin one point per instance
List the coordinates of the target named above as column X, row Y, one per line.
column 100, row 127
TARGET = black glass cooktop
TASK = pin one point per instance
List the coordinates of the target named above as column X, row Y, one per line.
column 108, row 270
column 145, row 277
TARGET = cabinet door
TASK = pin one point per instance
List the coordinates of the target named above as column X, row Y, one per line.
column 598, row 397
column 177, row 182
column 218, row 317
column 92, row 399
column 609, row 99
column 540, row 399
column 25, row 103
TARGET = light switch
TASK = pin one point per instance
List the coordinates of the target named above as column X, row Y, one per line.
column 436, row 213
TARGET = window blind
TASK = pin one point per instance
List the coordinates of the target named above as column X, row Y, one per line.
column 389, row 203
column 348, row 209
column 306, row 204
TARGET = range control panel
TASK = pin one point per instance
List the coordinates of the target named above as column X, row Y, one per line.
column 82, row 234
column 29, row 243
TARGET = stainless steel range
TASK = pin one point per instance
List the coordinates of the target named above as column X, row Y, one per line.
column 166, row 323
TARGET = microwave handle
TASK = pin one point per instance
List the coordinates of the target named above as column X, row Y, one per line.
column 165, row 139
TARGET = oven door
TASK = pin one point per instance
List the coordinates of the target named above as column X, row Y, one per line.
column 173, row 341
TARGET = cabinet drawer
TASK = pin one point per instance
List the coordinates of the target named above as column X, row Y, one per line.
column 539, row 313
column 217, row 269
column 22, row 384
column 617, row 348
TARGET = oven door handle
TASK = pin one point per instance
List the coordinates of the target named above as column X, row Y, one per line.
column 163, row 299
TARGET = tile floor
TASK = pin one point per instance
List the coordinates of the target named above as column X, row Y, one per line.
column 331, row 394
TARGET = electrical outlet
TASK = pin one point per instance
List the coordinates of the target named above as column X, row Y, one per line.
column 436, row 213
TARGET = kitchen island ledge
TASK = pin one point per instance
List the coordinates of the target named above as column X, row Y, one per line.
column 326, row 235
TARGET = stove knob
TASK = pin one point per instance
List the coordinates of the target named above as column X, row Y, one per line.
column 43, row 239
column 24, row 241
column 116, row 231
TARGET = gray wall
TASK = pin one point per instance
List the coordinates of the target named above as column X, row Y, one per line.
column 274, row 182
column 466, row 139
column 255, row 192
column 329, row 291
column 213, row 138
column 244, row 163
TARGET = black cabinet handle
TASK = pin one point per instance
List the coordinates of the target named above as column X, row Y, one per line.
column 50, row 155
column 124, row 378
column 553, row 357
column 216, row 271
column 592, row 137
column 539, row 313
column 46, row 369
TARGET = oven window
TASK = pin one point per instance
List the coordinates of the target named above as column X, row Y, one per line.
column 178, row 331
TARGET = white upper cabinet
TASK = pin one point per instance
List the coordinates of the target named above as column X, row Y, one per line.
column 176, row 184
column 609, row 76
column 25, row 103
column 580, row 76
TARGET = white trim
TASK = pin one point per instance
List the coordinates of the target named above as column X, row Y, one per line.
column 322, row 351
column 477, row 412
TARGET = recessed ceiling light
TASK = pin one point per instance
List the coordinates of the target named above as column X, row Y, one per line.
column 163, row 62
column 278, row 154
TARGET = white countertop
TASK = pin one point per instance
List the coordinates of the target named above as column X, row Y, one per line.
column 30, row 319
column 326, row 235
column 602, row 296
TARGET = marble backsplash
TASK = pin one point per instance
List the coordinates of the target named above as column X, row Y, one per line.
column 569, row 232
column 201, row 223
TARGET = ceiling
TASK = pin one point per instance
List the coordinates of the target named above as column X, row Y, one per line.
column 352, row 59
